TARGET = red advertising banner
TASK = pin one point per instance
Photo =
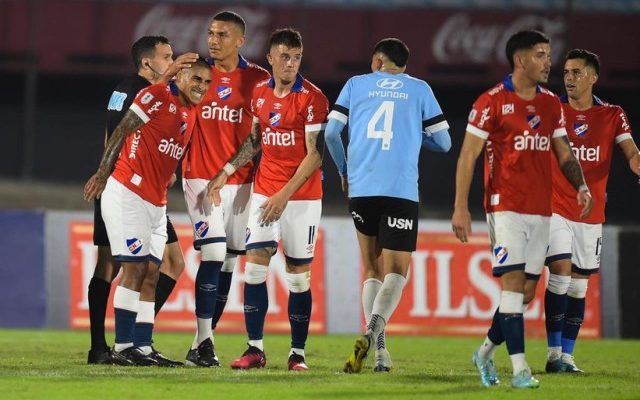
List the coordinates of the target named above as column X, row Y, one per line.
column 451, row 291
column 178, row 313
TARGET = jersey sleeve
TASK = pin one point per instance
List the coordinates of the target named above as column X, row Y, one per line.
column 340, row 111
column 149, row 101
column 481, row 117
column 433, row 119
column 622, row 127
column 559, row 129
column 315, row 112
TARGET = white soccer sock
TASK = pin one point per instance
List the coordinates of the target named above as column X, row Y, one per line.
column 370, row 289
column 554, row 353
column 257, row 343
column 518, row 362
column 389, row 296
column 487, row 350
column 204, row 329
column 299, row 352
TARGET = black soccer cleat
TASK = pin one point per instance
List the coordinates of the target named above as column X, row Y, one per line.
column 99, row 357
column 203, row 356
column 164, row 361
column 132, row 356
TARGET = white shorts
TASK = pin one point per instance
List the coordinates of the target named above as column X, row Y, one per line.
column 235, row 209
column 577, row 241
column 297, row 227
column 207, row 221
column 137, row 229
column 518, row 242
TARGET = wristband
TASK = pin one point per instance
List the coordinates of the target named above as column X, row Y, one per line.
column 229, row 169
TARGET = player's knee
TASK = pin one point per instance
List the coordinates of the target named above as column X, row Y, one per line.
column 230, row 261
column 298, row 283
column 578, row 288
column 511, row 302
column 213, row 251
column 255, row 274
column 559, row 284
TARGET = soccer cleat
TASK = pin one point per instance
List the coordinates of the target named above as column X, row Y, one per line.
column 296, row 363
column 487, row 370
column 383, row 361
column 569, row 364
column 524, row 380
column 164, row 361
column 553, row 366
column 253, row 357
column 203, row 356
column 100, row 357
column 132, row 356
column 360, row 351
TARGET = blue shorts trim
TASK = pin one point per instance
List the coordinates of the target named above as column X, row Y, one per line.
column 532, row 277
column 557, row 257
column 582, row 271
column 499, row 271
column 262, row 245
column 131, row 259
column 155, row 260
column 198, row 243
column 298, row 261
column 236, row 252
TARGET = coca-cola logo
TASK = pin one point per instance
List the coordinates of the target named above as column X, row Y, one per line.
column 189, row 32
column 460, row 39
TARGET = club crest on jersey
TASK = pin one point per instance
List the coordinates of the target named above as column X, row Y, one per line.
column 274, row 118
column 533, row 121
column 134, row 245
column 224, row 92
column 580, row 128
column 202, row 228
column 508, row 109
column 501, row 254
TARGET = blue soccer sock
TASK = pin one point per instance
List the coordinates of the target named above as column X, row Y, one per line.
column 206, row 289
column 495, row 331
column 125, row 303
column 573, row 321
column 554, row 309
column 256, row 303
column 299, row 316
column 143, row 331
column 224, row 285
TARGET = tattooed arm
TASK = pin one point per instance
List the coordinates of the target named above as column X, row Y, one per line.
column 95, row 185
column 246, row 152
column 275, row 205
column 573, row 172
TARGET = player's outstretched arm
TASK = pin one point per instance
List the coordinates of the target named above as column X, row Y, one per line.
column 461, row 219
column 332, row 133
column 572, row 170
column 632, row 155
column 275, row 205
column 246, row 152
column 439, row 141
column 183, row 61
column 95, row 185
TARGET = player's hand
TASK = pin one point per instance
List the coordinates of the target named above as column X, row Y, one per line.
column 183, row 61
column 345, row 185
column 461, row 224
column 586, row 202
column 273, row 208
column 94, row 187
column 214, row 186
column 172, row 180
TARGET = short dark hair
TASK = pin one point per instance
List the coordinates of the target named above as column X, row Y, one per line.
column 524, row 40
column 286, row 36
column 590, row 59
column 394, row 49
column 200, row 62
column 230, row 16
column 145, row 47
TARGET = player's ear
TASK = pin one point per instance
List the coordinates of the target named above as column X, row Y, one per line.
column 269, row 59
column 240, row 41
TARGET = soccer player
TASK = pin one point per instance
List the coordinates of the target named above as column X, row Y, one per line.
column 223, row 123
column 153, row 59
column 134, row 177
column 520, row 122
column 289, row 115
column 575, row 243
column 390, row 115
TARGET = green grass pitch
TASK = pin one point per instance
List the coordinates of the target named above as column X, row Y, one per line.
column 38, row 364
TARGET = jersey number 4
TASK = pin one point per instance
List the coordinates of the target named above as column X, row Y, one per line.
column 384, row 112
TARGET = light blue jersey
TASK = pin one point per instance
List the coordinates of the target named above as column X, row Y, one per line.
column 389, row 118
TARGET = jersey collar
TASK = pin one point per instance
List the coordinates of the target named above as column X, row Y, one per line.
column 174, row 88
column 297, row 85
column 242, row 62
column 508, row 84
column 596, row 100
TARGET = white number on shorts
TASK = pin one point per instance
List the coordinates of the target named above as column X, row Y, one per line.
column 386, row 134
